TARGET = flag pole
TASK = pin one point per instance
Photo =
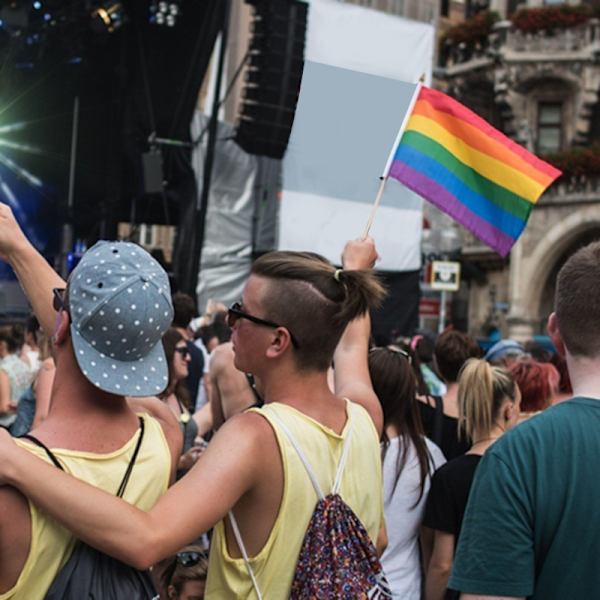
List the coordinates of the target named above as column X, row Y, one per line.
column 388, row 164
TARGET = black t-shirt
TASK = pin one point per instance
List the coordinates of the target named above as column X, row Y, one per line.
column 447, row 500
column 448, row 443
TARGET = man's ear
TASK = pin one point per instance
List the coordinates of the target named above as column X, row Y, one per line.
column 171, row 593
column 280, row 341
column 61, row 331
column 554, row 333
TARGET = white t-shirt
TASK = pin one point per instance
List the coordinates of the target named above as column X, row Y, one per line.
column 401, row 562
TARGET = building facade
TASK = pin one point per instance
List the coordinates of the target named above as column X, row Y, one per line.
column 535, row 74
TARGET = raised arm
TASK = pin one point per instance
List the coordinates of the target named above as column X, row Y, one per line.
column 351, row 369
column 229, row 467
column 36, row 276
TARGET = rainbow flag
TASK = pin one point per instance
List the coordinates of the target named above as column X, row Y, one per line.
column 471, row 171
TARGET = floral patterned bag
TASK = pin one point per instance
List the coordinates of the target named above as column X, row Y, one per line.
column 337, row 558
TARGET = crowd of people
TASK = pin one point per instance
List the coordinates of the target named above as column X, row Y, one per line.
column 240, row 454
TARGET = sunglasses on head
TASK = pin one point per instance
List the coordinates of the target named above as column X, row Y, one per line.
column 190, row 558
column 235, row 312
column 394, row 350
column 184, row 351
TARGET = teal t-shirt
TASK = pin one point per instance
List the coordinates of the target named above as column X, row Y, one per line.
column 532, row 524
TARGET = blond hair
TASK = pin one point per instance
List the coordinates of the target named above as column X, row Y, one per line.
column 482, row 390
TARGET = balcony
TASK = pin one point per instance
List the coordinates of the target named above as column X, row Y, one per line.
column 484, row 40
column 573, row 189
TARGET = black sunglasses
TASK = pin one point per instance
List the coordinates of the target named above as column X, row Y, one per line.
column 235, row 312
column 185, row 352
column 190, row 558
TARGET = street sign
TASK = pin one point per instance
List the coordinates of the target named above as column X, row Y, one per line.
column 445, row 275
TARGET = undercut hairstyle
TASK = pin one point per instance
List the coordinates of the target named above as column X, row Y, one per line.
column 482, row 390
column 395, row 384
column 537, row 381
column 184, row 310
column 452, row 349
column 304, row 295
column 577, row 302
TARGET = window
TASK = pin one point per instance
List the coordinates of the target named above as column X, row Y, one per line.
column 549, row 132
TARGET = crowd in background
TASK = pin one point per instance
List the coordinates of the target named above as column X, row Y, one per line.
column 444, row 400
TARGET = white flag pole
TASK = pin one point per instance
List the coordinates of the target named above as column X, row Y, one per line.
column 388, row 164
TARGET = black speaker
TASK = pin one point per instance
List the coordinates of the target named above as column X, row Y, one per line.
column 153, row 171
column 273, row 77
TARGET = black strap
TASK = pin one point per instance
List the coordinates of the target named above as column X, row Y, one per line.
column 41, row 444
column 438, row 421
column 252, row 383
column 125, row 479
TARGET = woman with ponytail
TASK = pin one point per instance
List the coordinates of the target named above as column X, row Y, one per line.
column 488, row 405
column 409, row 459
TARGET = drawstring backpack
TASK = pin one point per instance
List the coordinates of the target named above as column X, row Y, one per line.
column 89, row 574
column 337, row 558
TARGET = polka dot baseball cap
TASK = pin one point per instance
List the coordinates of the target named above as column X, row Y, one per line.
column 120, row 306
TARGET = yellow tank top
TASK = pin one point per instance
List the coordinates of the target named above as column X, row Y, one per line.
column 51, row 544
column 361, row 489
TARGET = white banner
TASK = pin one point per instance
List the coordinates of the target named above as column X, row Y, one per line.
column 358, row 79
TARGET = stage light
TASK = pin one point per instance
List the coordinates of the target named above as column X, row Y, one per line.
column 164, row 12
column 108, row 17
column 10, row 164
column 37, row 5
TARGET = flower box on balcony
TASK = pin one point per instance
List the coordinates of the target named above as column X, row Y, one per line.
column 551, row 18
column 577, row 162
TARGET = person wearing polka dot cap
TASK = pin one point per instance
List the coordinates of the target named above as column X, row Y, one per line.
column 106, row 324
column 120, row 305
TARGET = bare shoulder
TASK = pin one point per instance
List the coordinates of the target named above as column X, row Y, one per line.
column 164, row 415
column 152, row 406
column 221, row 356
column 248, row 430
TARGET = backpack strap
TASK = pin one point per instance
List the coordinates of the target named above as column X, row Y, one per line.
column 41, row 444
column 305, row 462
column 125, row 479
column 240, row 543
column 301, row 455
column 343, row 461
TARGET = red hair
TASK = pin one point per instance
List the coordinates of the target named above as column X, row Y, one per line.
column 537, row 381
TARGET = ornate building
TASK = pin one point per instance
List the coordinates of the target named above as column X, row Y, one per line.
column 534, row 74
